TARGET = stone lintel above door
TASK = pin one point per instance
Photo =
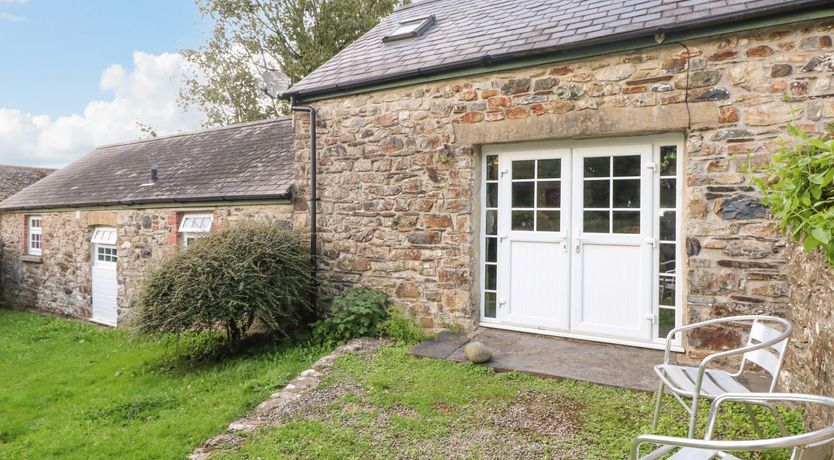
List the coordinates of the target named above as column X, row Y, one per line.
column 606, row 121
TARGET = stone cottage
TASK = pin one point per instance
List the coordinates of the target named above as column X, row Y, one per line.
column 79, row 241
column 567, row 168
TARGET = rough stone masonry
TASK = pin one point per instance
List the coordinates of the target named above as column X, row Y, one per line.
column 59, row 281
column 399, row 168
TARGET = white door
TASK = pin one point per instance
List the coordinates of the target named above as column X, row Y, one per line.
column 105, row 285
column 533, row 225
column 570, row 238
column 612, row 241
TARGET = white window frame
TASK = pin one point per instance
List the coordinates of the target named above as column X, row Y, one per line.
column 34, row 237
column 193, row 226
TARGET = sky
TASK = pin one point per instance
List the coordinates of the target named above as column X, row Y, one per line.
column 79, row 73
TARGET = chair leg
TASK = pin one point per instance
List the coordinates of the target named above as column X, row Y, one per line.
column 693, row 417
column 660, row 391
column 753, row 419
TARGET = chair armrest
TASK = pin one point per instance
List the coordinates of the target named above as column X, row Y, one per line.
column 709, row 322
column 761, row 397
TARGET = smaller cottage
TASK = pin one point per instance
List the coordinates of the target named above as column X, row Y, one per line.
column 79, row 242
column 15, row 178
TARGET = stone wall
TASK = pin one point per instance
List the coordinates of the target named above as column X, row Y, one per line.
column 399, row 167
column 809, row 365
column 59, row 280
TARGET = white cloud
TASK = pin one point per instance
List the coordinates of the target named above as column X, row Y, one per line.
column 9, row 17
column 146, row 93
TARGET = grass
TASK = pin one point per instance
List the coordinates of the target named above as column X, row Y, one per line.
column 390, row 405
column 75, row 390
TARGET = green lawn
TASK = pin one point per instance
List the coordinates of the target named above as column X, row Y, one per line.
column 75, row 390
column 390, row 405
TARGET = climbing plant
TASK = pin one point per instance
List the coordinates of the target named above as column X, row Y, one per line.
column 797, row 185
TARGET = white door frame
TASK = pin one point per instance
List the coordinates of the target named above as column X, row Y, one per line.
column 656, row 141
column 104, row 307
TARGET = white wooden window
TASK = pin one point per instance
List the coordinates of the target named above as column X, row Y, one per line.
column 104, row 236
column 106, row 254
column 194, row 226
column 35, row 236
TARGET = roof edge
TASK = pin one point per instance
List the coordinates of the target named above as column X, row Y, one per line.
column 207, row 199
column 749, row 20
column 195, row 132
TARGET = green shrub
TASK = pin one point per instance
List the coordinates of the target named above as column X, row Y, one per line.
column 225, row 281
column 797, row 185
column 401, row 328
column 357, row 312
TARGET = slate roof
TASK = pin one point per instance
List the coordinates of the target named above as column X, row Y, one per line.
column 15, row 178
column 471, row 33
column 239, row 162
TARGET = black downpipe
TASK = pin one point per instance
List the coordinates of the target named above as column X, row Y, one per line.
column 313, row 201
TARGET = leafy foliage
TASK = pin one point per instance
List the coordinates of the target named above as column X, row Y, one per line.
column 797, row 185
column 260, row 47
column 401, row 328
column 227, row 280
column 357, row 312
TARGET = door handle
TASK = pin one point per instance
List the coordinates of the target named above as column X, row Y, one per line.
column 578, row 245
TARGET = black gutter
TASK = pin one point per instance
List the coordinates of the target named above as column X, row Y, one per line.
column 202, row 199
column 487, row 60
column 313, row 200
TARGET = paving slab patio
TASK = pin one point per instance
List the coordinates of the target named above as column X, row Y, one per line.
column 600, row 363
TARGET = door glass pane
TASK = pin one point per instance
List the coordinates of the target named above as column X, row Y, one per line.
column 595, row 222
column 491, row 276
column 668, row 160
column 667, row 322
column 549, row 169
column 667, row 226
column 492, row 195
column 667, row 258
column 492, row 249
column 627, row 193
column 596, row 194
column 491, row 222
column 489, row 305
column 597, row 166
column 523, row 194
column 522, row 220
column 549, row 194
column 524, row 169
column 547, row 221
column 667, row 290
column 626, row 222
column 667, row 193
column 492, row 167
column 627, row 166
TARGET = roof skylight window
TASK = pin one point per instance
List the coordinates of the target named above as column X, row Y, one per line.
column 410, row 28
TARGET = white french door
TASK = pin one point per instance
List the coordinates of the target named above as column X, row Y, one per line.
column 612, row 244
column 570, row 234
column 533, row 239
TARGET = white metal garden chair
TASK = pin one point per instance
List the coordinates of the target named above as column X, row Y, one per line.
column 766, row 344
column 814, row 445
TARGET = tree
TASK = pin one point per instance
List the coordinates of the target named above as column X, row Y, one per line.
column 260, row 47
